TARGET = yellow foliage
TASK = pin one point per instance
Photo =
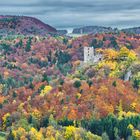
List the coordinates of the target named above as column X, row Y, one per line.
column 35, row 135
column 78, row 95
column 126, row 114
column 130, row 126
column 123, row 52
column 14, row 133
column 19, row 133
column 21, row 106
column 46, row 90
column 69, row 132
column 103, row 89
column 132, row 55
column 1, row 87
column 130, row 114
column 114, row 73
column 36, row 114
column 23, row 138
column 136, row 134
column 58, row 136
column 117, row 61
column 110, row 54
column 111, row 64
column 4, row 118
column 50, row 133
column 133, row 105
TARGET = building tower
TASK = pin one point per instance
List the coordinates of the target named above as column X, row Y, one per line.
column 88, row 54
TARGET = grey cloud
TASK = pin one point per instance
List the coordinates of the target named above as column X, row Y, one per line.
column 19, row 2
column 69, row 13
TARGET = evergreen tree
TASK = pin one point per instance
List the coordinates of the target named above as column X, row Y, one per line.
column 28, row 45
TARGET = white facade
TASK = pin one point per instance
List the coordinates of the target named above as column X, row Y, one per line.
column 91, row 56
column 88, row 54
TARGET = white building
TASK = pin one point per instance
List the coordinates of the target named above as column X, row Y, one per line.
column 90, row 55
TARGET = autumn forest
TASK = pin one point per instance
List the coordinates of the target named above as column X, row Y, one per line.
column 48, row 93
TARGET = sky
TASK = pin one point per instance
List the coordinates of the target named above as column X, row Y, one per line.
column 77, row 13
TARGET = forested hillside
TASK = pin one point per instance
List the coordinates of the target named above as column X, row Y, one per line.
column 23, row 25
column 48, row 93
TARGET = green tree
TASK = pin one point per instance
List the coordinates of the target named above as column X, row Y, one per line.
column 28, row 45
column 77, row 84
column 105, row 136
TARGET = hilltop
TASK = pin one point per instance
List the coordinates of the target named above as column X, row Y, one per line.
column 93, row 30
column 23, row 25
column 101, row 29
column 134, row 30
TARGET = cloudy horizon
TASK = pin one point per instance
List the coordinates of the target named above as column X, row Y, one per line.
column 76, row 13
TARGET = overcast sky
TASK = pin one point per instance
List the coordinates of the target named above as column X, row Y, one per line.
column 73, row 13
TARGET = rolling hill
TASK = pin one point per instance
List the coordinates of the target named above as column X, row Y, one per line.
column 23, row 25
column 93, row 30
